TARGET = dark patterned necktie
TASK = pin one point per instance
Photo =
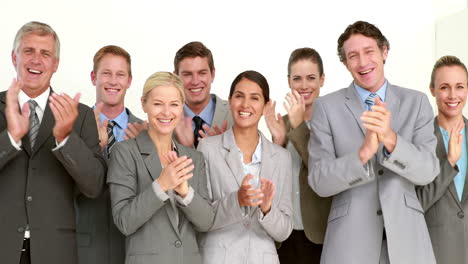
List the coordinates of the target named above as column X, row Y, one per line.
column 33, row 123
column 110, row 136
column 198, row 126
column 370, row 101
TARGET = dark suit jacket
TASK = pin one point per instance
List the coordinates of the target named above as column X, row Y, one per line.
column 99, row 240
column 314, row 209
column 445, row 213
column 38, row 187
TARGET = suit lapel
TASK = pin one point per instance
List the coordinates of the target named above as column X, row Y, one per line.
column 354, row 104
column 220, row 112
column 441, row 152
column 392, row 100
column 267, row 166
column 233, row 157
column 153, row 165
column 465, row 186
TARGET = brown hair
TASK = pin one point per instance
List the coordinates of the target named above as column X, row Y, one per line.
column 255, row 77
column 446, row 61
column 114, row 50
column 191, row 50
column 364, row 28
column 305, row 54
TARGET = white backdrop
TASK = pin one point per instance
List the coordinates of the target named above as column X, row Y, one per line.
column 242, row 35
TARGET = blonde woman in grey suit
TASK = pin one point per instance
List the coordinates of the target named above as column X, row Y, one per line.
column 158, row 187
column 249, row 182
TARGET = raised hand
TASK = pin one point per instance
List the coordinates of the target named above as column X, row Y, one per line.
column 102, row 128
column 176, row 173
column 215, row 130
column 295, row 105
column 65, row 111
column 134, row 129
column 275, row 123
column 184, row 132
column 246, row 195
column 17, row 123
column 379, row 121
column 268, row 190
column 369, row 147
column 455, row 143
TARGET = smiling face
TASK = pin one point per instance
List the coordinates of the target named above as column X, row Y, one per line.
column 365, row 61
column 305, row 79
column 35, row 63
column 164, row 107
column 112, row 80
column 450, row 90
column 247, row 103
column 197, row 78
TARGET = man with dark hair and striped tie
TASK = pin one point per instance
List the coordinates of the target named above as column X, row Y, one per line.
column 370, row 144
column 49, row 151
column 99, row 240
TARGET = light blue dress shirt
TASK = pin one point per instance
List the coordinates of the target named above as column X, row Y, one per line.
column 459, row 179
column 207, row 114
column 363, row 93
column 122, row 122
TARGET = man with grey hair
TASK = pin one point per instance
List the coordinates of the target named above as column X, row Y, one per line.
column 49, row 153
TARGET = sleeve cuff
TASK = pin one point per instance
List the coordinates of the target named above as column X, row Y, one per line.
column 187, row 199
column 159, row 192
column 16, row 145
column 58, row 146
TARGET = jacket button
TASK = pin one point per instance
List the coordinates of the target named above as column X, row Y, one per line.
column 460, row 215
column 29, row 198
column 379, row 212
column 178, row 244
column 380, row 172
column 20, row 230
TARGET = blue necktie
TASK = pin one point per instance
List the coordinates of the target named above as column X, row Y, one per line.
column 370, row 101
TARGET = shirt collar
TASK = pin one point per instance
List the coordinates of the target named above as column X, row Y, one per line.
column 121, row 119
column 41, row 100
column 206, row 114
column 363, row 93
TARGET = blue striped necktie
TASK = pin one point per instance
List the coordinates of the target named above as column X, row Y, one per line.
column 33, row 123
column 370, row 101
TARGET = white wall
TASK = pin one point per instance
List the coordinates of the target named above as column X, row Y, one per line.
column 242, row 35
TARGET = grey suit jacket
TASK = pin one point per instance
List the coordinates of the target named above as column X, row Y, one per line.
column 99, row 240
column 38, row 187
column 445, row 213
column 314, row 209
column 381, row 194
column 222, row 112
column 244, row 235
column 153, row 233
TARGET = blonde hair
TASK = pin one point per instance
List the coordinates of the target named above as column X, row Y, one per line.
column 163, row 79
column 37, row 28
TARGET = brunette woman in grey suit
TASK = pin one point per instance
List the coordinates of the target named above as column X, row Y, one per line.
column 292, row 131
column 158, row 187
column 249, row 181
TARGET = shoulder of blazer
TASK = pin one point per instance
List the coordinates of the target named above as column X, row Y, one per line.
column 131, row 117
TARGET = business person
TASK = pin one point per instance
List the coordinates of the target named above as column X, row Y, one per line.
column 444, row 199
column 158, row 187
column 49, row 151
column 99, row 240
column 369, row 157
column 310, row 211
column 206, row 114
column 249, row 181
